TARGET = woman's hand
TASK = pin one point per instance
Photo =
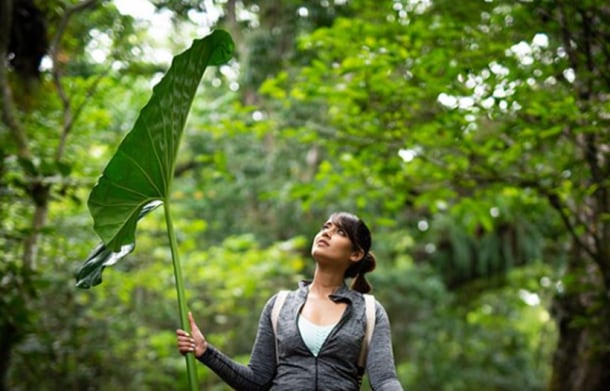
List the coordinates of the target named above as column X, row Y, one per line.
column 191, row 343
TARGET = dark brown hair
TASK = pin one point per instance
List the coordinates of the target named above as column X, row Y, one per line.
column 360, row 236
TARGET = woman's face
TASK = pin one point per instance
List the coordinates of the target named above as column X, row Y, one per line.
column 332, row 244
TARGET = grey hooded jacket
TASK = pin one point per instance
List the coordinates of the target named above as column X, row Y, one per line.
column 335, row 367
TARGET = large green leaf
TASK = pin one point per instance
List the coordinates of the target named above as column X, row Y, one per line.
column 142, row 169
column 89, row 273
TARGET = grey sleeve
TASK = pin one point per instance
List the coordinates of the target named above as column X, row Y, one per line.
column 259, row 373
column 380, row 366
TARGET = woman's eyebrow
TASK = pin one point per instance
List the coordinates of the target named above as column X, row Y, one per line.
column 339, row 225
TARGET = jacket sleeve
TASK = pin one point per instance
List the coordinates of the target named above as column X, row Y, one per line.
column 259, row 373
column 380, row 366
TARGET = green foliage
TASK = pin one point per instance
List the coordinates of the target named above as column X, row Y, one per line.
column 487, row 335
column 489, row 237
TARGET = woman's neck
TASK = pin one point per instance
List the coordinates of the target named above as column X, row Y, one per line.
column 325, row 283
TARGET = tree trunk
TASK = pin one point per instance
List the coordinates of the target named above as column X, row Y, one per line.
column 8, row 338
column 582, row 356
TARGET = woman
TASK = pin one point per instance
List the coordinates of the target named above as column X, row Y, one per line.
column 320, row 327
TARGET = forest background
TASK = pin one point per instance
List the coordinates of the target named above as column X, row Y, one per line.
column 473, row 138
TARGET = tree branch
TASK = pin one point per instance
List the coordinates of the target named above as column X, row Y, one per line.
column 8, row 108
column 77, row 112
column 68, row 115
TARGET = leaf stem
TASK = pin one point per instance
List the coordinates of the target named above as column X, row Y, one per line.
column 191, row 367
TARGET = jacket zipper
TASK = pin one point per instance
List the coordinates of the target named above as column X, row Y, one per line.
column 316, row 360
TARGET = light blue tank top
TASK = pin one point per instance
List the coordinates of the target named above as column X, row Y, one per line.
column 313, row 335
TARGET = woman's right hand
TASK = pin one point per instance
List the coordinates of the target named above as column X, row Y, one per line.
column 191, row 343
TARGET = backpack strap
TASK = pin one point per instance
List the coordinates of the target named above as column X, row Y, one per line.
column 275, row 314
column 369, row 303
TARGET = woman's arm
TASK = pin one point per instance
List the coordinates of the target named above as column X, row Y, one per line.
column 380, row 359
column 259, row 373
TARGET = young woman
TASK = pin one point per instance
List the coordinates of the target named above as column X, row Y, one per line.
column 320, row 327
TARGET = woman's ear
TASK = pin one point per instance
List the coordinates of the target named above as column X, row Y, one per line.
column 356, row 255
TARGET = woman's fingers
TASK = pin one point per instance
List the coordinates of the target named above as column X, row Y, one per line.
column 186, row 343
column 193, row 325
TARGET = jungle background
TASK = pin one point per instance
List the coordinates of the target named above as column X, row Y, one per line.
column 473, row 137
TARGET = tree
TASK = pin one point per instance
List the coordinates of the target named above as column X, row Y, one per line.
column 41, row 111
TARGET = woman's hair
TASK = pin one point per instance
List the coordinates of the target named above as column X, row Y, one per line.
column 360, row 236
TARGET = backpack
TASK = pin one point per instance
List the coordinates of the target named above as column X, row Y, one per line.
column 369, row 302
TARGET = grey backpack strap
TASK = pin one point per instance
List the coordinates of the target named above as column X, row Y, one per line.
column 369, row 302
column 275, row 314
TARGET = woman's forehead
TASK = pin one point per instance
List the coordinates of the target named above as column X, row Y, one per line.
column 337, row 220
